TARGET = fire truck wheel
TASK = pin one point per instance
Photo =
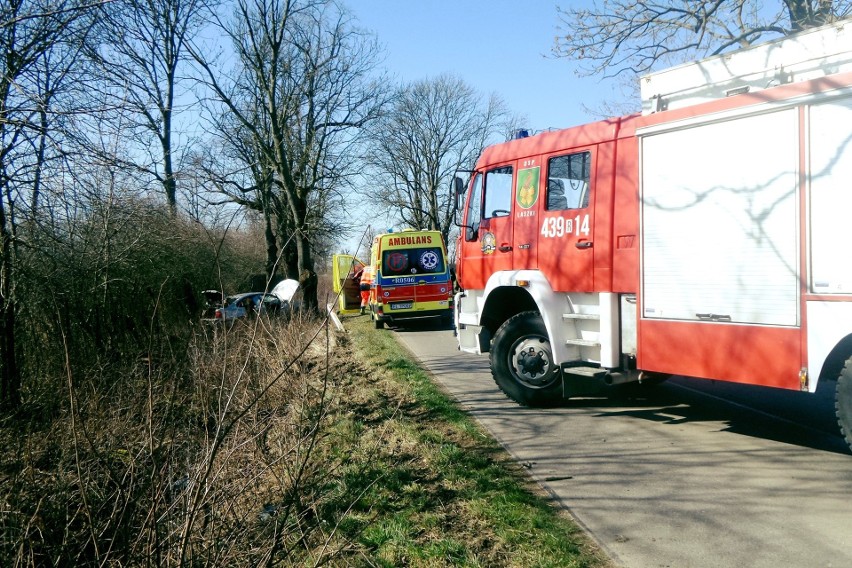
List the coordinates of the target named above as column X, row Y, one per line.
column 843, row 401
column 522, row 361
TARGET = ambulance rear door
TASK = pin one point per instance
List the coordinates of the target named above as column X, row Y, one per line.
column 344, row 269
column 433, row 290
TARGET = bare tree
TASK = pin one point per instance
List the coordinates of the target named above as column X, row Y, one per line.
column 240, row 172
column 305, row 70
column 434, row 128
column 628, row 36
column 142, row 51
column 39, row 44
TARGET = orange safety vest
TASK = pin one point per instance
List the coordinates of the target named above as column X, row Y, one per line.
column 367, row 277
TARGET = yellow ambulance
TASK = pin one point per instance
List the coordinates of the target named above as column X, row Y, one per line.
column 410, row 278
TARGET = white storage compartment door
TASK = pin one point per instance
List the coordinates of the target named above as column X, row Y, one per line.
column 831, row 196
column 720, row 221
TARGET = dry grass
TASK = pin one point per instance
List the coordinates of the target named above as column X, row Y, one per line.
column 221, row 461
column 271, row 443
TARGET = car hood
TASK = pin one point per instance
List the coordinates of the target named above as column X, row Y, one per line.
column 285, row 290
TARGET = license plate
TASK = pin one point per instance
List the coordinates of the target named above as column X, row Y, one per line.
column 402, row 306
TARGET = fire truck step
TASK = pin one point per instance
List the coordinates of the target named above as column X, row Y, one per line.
column 581, row 316
column 583, row 342
column 593, row 372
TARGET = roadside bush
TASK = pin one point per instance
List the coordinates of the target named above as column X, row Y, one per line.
column 116, row 285
column 223, row 461
column 148, row 438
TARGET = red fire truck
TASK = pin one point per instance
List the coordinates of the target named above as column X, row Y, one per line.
column 704, row 237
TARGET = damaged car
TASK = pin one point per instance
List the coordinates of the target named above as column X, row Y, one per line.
column 251, row 304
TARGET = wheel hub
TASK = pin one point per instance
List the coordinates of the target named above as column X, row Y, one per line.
column 531, row 361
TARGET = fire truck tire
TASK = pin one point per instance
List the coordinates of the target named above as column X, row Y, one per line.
column 379, row 323
column 843, row 401
column 522, row 361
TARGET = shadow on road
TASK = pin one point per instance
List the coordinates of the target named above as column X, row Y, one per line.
column 673, row 405
column 423, row 325
column 791, row 417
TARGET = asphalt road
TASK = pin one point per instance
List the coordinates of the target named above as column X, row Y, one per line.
column 697, row 474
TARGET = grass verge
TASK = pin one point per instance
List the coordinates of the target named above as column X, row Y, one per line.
column 268, row 443
column 444, row 492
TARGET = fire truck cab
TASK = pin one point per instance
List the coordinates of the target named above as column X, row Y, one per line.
column 703, row 237
column 536, row 254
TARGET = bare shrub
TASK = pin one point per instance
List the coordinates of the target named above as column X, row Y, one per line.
column 226, row 460
column 117, row 281
column 146, row 439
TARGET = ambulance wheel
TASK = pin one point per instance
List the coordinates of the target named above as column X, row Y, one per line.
column 522, row 361
column 843, row 401
column 379, row 323
column 447, row 320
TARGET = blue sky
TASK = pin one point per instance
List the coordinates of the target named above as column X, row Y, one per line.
column 496, row 46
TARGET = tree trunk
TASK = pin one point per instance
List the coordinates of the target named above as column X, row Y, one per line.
column 803, row 15
column 271, row 246
column 169, row 181
column 307, row 277
column 10, row 380
column 40, row 153
column 291, row 261
column 308, row 280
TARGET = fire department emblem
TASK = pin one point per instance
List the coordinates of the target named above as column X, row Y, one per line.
column 527, row 193
column 489, row 243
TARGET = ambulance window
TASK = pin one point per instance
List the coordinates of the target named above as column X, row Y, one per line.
column 474, row 209
column 498, row 192
column 568, row 181
column 405, row 262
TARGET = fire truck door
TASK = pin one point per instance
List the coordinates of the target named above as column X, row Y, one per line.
column 487, row 244
column 528, row 197
column 566, row 228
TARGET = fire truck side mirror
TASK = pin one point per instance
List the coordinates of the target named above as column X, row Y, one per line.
column 458, row 196
column 459, row 188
